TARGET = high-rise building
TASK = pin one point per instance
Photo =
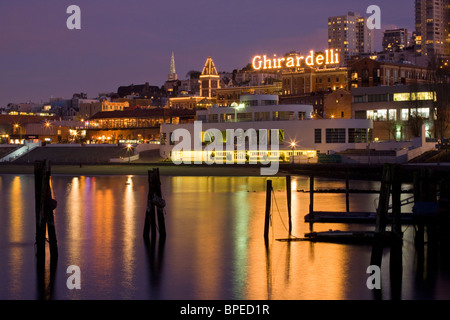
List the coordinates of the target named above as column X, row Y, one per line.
column 432, row 27
column 395, row 40
column 172, row 72
column 349, row 35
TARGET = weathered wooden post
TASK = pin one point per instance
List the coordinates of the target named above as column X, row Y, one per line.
column 155, row 207
column 268, row 205
column 150, row 224
column 396, row 269
column 289, row 199
column 418, row 197
column 39, row 200
column 396, row 202
column 380, row 227
column 44, row 206
column 311, row 202
column 396, row 256
column 50, row 205
column 45, row 223
column 347, row 192
column 160, row 204
column 383, row 204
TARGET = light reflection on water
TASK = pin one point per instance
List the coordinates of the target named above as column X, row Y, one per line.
column 214, row 248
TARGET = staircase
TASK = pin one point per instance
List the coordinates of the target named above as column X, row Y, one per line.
column 26, row 148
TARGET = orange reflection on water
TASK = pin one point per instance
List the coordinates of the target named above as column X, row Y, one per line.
column 129, row 204
column 281, row 270
column 103, row 228
column 16, row 208
column 75, row 201
column 197, row 198
column 16, row 237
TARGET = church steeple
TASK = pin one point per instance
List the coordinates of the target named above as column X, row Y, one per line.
column 172, row 72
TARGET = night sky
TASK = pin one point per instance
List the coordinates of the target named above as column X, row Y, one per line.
column 125, row 42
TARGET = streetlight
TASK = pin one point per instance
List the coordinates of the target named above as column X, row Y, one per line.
column 293, row 144
column 17, row 127
column 129, row 147
column 236, row 108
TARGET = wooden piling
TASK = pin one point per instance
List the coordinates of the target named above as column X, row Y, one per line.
column 154, row 215
column 289, row 199
column 311, row 201
column 383, row 204
column 150, row 225
column 380, row 227
column 39, row 200
column 396, row 257
column 396, row 269
column 44, row 206
column 268, row 205
column 160, row 204
column 396, row 202
column 347, row 192
column 50, row 205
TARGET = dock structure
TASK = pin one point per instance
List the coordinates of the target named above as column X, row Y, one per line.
column 430, row 211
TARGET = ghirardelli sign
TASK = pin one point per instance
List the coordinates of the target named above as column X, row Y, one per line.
column 312, row 60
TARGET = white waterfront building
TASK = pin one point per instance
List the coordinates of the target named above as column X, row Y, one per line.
column 300, row 135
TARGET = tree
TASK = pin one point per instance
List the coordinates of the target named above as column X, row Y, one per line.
column 248, row 67
column 193, row 74
column 391, row 127
column 415, row 123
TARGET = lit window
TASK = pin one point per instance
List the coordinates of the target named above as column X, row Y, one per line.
column 420, row 96
column 393, row 115
column 405, row 114
column 402, row 96
column 380, row 115
column 421, row 112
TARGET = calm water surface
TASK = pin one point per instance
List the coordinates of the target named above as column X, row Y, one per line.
column 214, row 248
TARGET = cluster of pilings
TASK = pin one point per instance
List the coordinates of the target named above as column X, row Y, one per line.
column 45, row 204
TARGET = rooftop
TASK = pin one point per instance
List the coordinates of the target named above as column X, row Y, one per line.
column 144, row 113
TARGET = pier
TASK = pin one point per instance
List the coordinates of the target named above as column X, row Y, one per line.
column 430, row 198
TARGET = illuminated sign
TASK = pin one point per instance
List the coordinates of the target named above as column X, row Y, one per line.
column 327, row 58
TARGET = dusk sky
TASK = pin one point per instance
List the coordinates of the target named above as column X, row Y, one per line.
column 125, row 42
